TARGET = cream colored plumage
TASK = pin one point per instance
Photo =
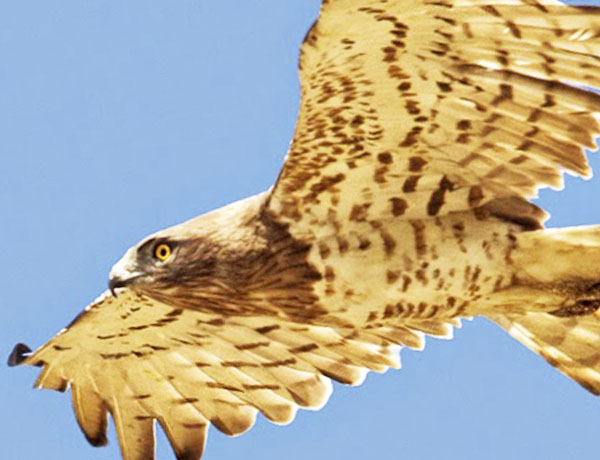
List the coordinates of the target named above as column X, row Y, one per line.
column 424, row 127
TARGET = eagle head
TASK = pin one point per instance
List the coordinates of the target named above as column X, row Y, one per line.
column 156, row 260
column 205, row 257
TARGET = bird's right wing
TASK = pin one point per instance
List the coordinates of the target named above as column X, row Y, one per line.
column 141, row 360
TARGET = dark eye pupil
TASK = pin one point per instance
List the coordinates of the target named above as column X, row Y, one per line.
column 162, row 252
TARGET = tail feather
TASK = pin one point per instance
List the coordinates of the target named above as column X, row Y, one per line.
column 558, row 255
column 572, row 344
column 558, row 286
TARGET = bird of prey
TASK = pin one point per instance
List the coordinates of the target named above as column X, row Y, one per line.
column 425, row 127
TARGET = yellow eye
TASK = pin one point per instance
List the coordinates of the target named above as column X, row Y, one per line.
column 162, row 251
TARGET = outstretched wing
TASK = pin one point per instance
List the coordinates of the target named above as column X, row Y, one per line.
column 413, row 109
column 141, row 360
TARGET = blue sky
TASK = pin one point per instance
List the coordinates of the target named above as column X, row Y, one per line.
column 118, row 119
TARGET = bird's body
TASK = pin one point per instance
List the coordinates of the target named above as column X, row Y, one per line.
column 401, row 208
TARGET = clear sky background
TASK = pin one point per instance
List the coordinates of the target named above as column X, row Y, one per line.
column 118, row 119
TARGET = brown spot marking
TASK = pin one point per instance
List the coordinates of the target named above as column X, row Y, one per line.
column 444, row 87
column 476, row 274
column 399, row 206
column 304, row 348
column 187, row 400
column 389, row 54
column 155, row 347
column 464, row 138
column 343, row 244
column 363, row 243
column 324, row 184
column 379, row 175
column 422, row 277
column 415, row 164
column 447, row 20
column 260, row 387
column 389, row 243
column 238, row 364
column 399, row 308
column 412, row 137
column 106, row 337
column 463, row 125
column 267, row 329
column 114, row 355
column 475, row 196
column 389, row 311
column 437, row 199
column 385, row 158
column 324, row 251
column 549, row 101
column 405, row 282
column 412, row 107
column 410, row 184
column 506, row 94
column 221, row 386
column 329, row 273
column 419, row 234
column 396, row 72
column 59, row 348
column 392, row 276
column 194, row 426
column 491, row 10
column 359, row 212
column 252, row 346
column 525, row 146
column 467, row 273
column 146, row 396
column 514, row 29
column 214, row 322
column 357, row 121
column 372, row 316
column 433, row 312
column 279, row 363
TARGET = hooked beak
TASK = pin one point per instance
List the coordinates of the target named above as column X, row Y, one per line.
column 123, row 273
column 116, row 283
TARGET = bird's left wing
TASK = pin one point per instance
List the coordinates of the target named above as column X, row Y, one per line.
column 414, row 109
column 141, row 360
